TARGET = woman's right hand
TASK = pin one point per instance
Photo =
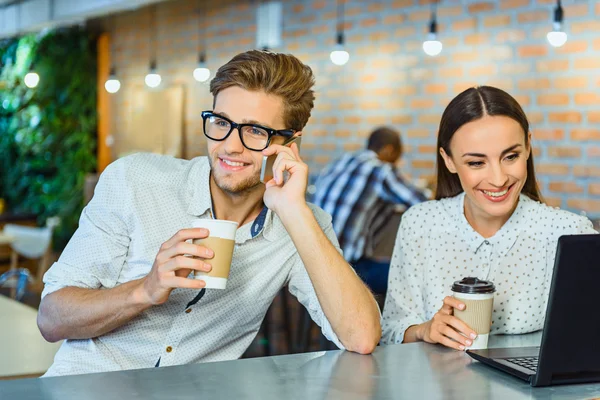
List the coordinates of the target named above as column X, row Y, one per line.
column 444, row 328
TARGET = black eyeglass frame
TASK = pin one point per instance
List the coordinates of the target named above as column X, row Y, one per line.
column 287, row 133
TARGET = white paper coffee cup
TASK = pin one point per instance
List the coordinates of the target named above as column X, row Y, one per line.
column 478, row 297
column 221, row 240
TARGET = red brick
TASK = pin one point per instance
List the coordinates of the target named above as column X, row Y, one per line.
column 461, row 57
column 534, row 84
column 402, row 119
column 590, row 206
column 446, row 12
column 552, row 169
column 394, row 19
column 585, row 134
column 451, row 72
column 483, row 70
column 423, row 164
column 353, row 146
column 369, row 22
column 377, row 120
column 594, row 188
column 535, row 117
column 597, row 43
column 417, row 133
column 537, row 152
column 584, row 27
column 342, row 133
column 298, row 8
column 436, row 88
column 553, row 201
column 430, row 149
column 506, row 4
column 322, row 159
column 379, row 36
column 481, row 7
column 564, row 151
column 587, row 63
column 586, row 171
column 422, row 103
column 510, row 36
column 353, row 119
column 552, row 65
column 534, row 50
column 557, row 99
column 577, row 10
column 406, row 31
column 370, row 105
column 389, row 48
column 328, row 146
column 430, row 119
column 421, row 15
column 496, row 20
column 548, row 134
column 565, row 187
column 573, row 47
column 465, row 24
column 594, row 117
column 571, row 82
column 587, row 99
column 462, row 86
column 567, row 117
column 515, row 68
column 374, row 7
column 329, row 120
column 402, row 3
column 477, row 38
column 597, row 8
column 534, row 16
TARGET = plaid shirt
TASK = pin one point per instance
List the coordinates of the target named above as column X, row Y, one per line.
column 359, row 191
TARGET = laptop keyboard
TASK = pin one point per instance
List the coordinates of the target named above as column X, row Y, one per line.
column 525, row 362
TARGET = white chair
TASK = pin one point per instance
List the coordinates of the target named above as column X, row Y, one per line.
column 32, row 243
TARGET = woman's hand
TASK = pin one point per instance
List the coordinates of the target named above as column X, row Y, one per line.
column 444, row 328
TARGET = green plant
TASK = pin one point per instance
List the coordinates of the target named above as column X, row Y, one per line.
column 48, row 134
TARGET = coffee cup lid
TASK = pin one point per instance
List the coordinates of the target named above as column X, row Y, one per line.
column 472, row 285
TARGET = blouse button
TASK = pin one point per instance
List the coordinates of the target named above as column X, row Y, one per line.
column 486, row 242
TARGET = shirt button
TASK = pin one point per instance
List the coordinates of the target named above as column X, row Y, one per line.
column 189, row 310
column 486, row 242
column 169, row 349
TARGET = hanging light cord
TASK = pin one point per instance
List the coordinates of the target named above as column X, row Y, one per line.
column 340, row 21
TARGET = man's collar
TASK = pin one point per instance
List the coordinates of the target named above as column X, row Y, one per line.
column 201, row 202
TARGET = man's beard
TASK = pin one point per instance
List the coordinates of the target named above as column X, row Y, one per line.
column 235, row 188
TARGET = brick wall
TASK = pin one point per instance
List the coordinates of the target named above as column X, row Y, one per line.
column 389, row 80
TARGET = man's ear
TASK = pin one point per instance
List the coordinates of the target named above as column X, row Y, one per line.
column 448, row 161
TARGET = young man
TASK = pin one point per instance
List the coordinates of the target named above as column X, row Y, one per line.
column 359, row 190
column 122, row 294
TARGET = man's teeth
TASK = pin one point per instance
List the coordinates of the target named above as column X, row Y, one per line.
column 233, row 163
column 496, row 194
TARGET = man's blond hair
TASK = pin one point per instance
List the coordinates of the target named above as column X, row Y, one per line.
column 277, row 74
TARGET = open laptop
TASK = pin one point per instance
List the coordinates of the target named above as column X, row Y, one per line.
column 570, row 350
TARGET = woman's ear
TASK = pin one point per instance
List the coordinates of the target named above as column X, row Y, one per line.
column 529, row 146
column 448, row 161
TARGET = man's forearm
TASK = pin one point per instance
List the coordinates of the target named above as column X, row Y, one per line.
column 346, row 301
column 76, row 313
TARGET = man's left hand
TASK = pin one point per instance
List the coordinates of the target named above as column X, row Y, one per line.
column 291, row 192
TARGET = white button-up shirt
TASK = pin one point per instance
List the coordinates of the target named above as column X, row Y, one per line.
column 436, row 246
column 139, row 203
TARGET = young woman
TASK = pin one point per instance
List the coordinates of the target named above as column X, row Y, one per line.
column 487, row 221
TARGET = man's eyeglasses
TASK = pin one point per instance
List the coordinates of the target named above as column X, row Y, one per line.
column 254, row 137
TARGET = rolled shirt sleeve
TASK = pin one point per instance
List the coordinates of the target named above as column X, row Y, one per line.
column 301, row 287
column 95, row 255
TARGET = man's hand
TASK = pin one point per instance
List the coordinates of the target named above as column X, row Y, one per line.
column 171, row 266
column 446, row 329
column 280, row 194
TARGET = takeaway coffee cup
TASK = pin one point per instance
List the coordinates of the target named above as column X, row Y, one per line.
column 221, row 240
column 478, row 297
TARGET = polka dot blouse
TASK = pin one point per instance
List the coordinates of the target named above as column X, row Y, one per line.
column 436, row 246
